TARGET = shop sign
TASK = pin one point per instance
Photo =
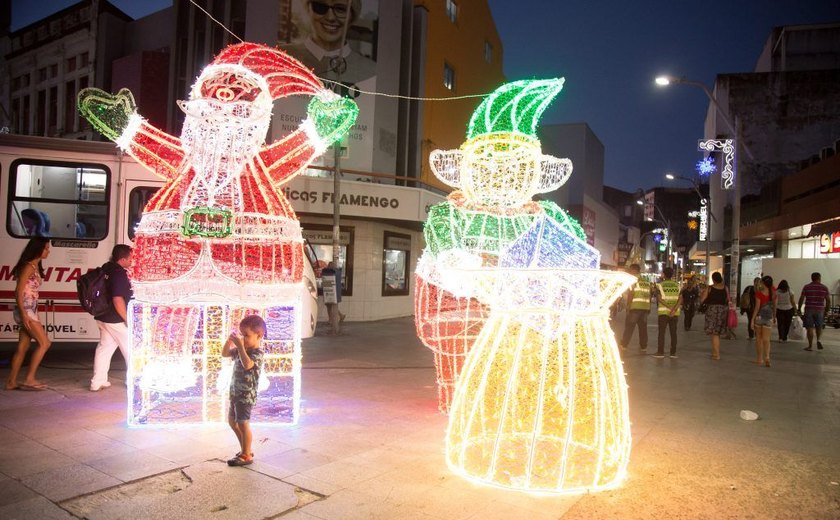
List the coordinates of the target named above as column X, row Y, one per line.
column 360, row 199
column 830, row 243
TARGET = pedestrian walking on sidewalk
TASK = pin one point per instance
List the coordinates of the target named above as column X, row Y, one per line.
column 247, row 366
column 668, row 310
column 746, row 304
column 816, row 298
column 785, row 309
column 113, row 325
column 716, row 299
column 29, row 273
column 332, row 296
column 763, row 319
column 689, row 296
column 638, row 308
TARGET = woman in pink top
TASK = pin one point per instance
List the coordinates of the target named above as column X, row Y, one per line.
column 763, row 319
column 30, row 275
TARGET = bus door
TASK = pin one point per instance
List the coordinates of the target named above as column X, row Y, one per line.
column 134, row 198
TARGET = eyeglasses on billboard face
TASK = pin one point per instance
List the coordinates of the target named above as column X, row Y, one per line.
column 321, row 8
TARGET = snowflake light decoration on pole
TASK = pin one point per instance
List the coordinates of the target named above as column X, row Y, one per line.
column 727, row 146
column 510, row 300
column 219, row 240
column 706, row 166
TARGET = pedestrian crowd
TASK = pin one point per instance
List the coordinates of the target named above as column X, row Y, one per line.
column 766, row 306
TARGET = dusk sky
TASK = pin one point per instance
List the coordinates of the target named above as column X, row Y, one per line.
column 609, row 52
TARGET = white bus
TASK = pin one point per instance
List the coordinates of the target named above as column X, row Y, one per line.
column 86, row 196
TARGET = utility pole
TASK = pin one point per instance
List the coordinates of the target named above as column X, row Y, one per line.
column 338, row 65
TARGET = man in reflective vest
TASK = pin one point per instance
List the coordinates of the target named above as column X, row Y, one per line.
column 638, row 308
column 670, row 300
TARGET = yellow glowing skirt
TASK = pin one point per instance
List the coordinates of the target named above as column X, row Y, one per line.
column 541, row 404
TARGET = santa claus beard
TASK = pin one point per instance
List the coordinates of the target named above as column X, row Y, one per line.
column 219, row 142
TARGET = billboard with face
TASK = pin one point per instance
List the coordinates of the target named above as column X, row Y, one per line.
column 313, row 31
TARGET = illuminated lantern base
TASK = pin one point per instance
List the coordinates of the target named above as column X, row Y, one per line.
column 539, row 413
column 449, row 326
column 177, row 374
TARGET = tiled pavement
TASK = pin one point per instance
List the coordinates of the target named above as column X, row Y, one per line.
column 370, row 442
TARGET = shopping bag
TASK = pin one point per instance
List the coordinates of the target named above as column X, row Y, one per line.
column 797, row 332
column 732, row 319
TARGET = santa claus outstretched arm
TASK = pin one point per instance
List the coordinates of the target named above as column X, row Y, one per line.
column 115, row 116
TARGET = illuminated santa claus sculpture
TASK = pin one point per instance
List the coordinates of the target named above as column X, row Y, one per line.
column 219, row 240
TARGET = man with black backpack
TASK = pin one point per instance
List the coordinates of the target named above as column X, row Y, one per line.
column 113, row 324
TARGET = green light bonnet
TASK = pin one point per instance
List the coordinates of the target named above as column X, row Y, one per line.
column 514, row 107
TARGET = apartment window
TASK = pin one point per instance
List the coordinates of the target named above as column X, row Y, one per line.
column 54, row 70
column 25, row 115
column 70, row 107
column 83, row 123
column 15, row 114
column 448, row 76
column 83, row 59
column 71, row 64
column 42, row 74
column 53, row 111
column 488, row 52
column 41, row 113
column 16, row 83
column 451, row 10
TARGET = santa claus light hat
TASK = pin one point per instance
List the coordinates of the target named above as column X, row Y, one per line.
column 277, row 73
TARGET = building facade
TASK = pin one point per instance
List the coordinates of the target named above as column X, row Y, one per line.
column 583, row 193
column 787, row 114
column 456, row 51
column 50, row 60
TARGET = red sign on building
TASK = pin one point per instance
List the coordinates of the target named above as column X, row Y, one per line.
column 830, row 243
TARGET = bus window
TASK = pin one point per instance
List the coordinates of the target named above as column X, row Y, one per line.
column 137, row 200
column 59, row 200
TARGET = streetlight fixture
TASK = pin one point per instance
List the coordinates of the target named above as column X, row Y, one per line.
column 703, row 201
column 665, row 80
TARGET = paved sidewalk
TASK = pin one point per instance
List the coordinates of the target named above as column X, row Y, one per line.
column 370, row 442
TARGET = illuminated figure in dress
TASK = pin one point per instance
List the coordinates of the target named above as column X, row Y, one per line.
column 219, row 240
column 496, row 171
column 541, row 402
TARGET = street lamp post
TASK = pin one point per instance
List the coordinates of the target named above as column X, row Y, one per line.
column 666, row 80
column 696, row 187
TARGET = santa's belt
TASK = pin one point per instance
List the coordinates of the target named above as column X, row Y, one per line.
column 203, row 221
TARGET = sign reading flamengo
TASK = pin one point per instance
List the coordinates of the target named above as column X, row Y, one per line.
column 727, row 146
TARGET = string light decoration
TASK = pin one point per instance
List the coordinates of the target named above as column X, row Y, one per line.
column 510, row 299
column 541, row 404
column 496, row 172
column 727, row 146
column 219, row 240
column 705, row 166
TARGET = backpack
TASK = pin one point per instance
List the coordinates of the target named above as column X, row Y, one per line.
column 746, row 299
column 92, row 289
